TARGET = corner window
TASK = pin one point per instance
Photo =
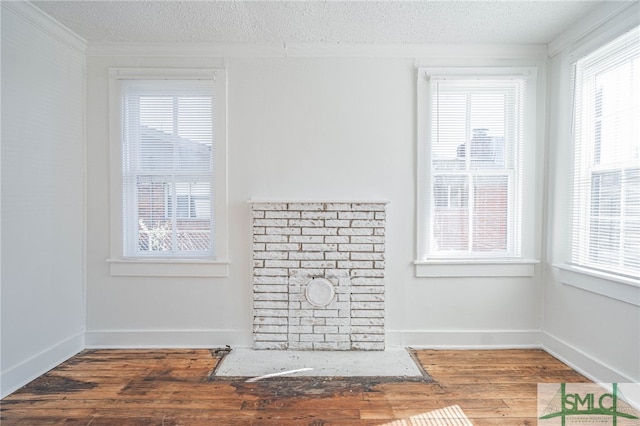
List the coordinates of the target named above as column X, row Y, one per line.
column 169, row 137
column 472, row 138
column 605, row 232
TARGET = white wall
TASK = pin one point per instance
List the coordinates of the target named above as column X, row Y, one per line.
column 308, row 127
column 42, row 195
column 595, row 333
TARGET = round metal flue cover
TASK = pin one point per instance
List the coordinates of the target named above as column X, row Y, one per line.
column 320, row 292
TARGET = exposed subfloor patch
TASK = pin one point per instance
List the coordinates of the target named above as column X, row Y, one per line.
column 396, row 363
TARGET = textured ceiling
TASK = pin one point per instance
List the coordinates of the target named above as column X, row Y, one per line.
column 416, row 22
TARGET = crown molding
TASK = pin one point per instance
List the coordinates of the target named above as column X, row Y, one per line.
column 311, row 50
column 605, row 14
column 45, row 23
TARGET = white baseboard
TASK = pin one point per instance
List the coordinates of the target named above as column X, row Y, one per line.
column 19, row 375
column 471, row 339
column 590, row 367
column 114, row 339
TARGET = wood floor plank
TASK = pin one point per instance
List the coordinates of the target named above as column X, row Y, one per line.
column 171, row 387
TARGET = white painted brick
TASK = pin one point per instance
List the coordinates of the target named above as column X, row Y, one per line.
column 300, row 346
column 270, row 312
column 367, row 346
column 313, row 321
column 344, row 313
column 282, row 231
column 343, row 282
column 379, row 264
column 270, row 254
column 270, row 328
column 367, row 273
column 367, row 256
column 270, row 296
column 355, row 247
column 282, row 263
column 344, row 329
column 367, row 305
column 367, row 313
column 258, row 263
column 319, row 215
column 283, row 247
column 306, row 223
column 270, row 345
column 367, row 329
column 367, row 337
column 343, row 239
column 327, row 346
column 319, row 247
column 270, row 222
column 270, row 304
column 270, row 206
column 282, row 215
column 355, row 231
column 325, row 313
column 367, row 223
column 337, row 273
column 367, row 289
column 338, row 305
column 293, row 337
column 298, row 280
column 258, row 230
column 335, row 255
column 355, row 264
column 270, row 239
column 306, row 206
column 294, row 305
column 270, row 288
column 318, row 264
column 367, row 321
column 293, row 321
column 257, row 214
column 271, row 321
column 306, row 329
column 379, row 231
column 270, row 271
column 259, row 247
column 337, row 338
column 311, row 338
column 367, row 281
column 300, row 313
column 368, row 206
column 363, row 239
column 356, row 215
column 320, row 231
column 380, row 215
column 337, row 223
column 338, row 206
column 307, row 272
column 337, row 321
column 324, row 329
column 367, row 297
column 271, row 337
column 270, row 280
column 315, row 239
column 378, row 248
column 307, row 255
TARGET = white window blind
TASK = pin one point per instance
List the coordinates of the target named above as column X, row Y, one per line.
column 475, row 148
column 605, row 232
column 167, row 154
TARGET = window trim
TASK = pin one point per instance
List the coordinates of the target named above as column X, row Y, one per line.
column 473, row 266
column 168, row 266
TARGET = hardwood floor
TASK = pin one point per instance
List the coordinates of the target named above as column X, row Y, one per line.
column 171, row 387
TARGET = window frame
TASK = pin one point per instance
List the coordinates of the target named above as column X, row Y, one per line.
column 471, row 265
column 168, row 266
column 600, row 282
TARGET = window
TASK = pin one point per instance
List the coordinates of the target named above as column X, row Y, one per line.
column 605, row 232
column 472, row 138
column 170, row 136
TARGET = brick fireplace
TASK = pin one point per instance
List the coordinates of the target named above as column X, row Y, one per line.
column 319, row 275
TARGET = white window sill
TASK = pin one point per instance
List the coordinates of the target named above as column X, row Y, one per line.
column 609, row 285
column 436, row 268
column 168, row 268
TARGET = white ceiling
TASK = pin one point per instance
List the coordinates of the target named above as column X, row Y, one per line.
column 347, row 22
